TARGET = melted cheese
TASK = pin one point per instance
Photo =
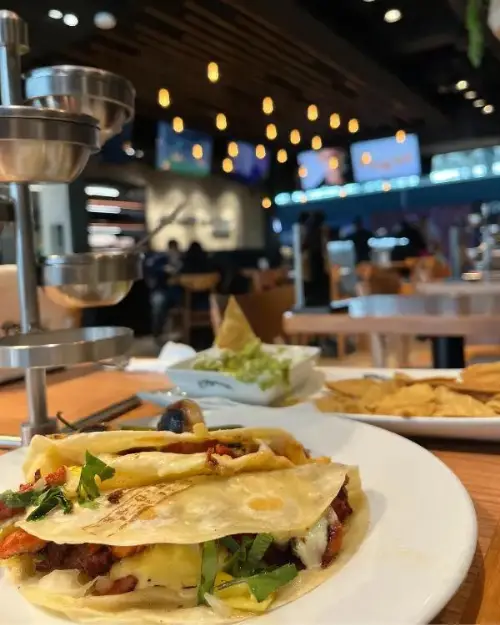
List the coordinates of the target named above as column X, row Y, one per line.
column 311, row 548
column 171, row 566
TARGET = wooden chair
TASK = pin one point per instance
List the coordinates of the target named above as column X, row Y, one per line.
column 192, row 284
column 265, row 279
column 264, row 311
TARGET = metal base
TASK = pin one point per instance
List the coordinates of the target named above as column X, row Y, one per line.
column 28, row 430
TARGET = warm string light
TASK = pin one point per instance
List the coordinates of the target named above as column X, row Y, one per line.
column 462, row 85
column 232, row 149
column 302, row 171
column 260, row 151
column 342, row 193
column 312, row 112
column 267, row 105
column 333, row 162
column 227, row 165
column 282, row 156
column 266, row 203
column 334, row 121
column 386, row 186
column 271, row 132
column 221, row 121
column 197, row 151
column 401, row 136
column 316, row 143
column 366, row 158
column 178, row 124
column 295, row 137
column 164, row 98
column 213, row 72
column 353, row 126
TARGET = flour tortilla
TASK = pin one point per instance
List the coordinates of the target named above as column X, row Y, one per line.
column 295, row 498
column 152, row 467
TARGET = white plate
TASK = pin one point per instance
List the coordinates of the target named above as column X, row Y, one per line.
column 197, row 383
column 470, row 428
column 418, row 549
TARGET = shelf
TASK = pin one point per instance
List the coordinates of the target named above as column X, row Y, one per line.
column 64, row 347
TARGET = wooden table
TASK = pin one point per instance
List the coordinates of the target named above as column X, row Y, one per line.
column 447, row 320
column 85, row 390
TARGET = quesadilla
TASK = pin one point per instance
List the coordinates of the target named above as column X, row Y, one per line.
column 143, row 458
column 207, row 548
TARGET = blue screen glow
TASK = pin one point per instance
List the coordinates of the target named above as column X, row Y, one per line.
column 383, row 159
column 174, row 151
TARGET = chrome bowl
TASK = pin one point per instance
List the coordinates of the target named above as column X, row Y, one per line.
column 44, row 146
column 103, row 95
column 90, row 280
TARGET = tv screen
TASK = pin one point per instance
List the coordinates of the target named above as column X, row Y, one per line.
column 321, row 168
column 174, row 151
column 381, row 159
column 247, row 167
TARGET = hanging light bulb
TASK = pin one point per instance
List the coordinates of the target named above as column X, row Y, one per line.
column 401, row 136
column 221, row 121
column 333, row 162
column 302, row 171
column 178, row 124
column 232, row 149
column 271, row 132
column 342, row 193
column 267, row 105
column 282, row 156
column 197, row 151
column 266, row 203
column 334, row 121
column 366, row 158
column 353, row 125
column 312, row 112
column 260, row 151
column 316, row 143
column 386, row 186
column 213, row 72
column 227, row 165
column 295, row 137
column 164, row 98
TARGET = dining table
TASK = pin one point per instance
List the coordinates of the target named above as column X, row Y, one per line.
column 82, row 390
column 446, row 320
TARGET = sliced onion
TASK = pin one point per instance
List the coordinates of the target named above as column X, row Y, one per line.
column 218, row 606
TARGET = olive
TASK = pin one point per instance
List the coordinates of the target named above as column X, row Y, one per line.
column 172, row 420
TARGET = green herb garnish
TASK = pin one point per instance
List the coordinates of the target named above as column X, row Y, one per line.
column 264, row 584
column 209, row 569
column 49, row 500
column 20, row 500
column 87, row 489
column 257, row 551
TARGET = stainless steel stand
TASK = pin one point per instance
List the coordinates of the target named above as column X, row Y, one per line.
column 14, row 42
column 38, row 144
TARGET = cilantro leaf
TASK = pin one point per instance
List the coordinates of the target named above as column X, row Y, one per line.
column 209, row 569
column 264, row 584
column 19, row 500
column 87, row 489
column 258, row 549
column 49, row 500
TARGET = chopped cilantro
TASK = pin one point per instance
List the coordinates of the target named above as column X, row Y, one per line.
column 87, row 489
column 49, row 500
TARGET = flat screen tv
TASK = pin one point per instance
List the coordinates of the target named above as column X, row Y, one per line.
column 321, row 168
column 247, row 167
column 381, row 159
column 174, row 151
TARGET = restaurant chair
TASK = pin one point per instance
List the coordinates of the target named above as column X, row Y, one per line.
column 192, row 312
column 265, row 279
column 264, row 311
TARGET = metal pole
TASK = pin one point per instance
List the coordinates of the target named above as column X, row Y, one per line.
column 13, row 43
column 297, row 267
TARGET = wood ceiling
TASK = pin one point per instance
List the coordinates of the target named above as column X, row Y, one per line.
column 263, row 48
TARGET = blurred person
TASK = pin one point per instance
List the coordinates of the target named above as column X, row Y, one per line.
column 360, row 238
column 196, row 260
column 159, row 267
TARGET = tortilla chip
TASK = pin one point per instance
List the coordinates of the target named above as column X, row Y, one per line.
column 494, row 403
column 376, row 394
column 482, row 377
column 451, row 404
column 334, row 402
column 355, row 388
column 409, row 401
column 235, row 333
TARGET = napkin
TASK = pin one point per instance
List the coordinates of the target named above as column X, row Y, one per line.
column 171, row 353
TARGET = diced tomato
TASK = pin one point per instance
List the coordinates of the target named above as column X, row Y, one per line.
column 20, row 542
